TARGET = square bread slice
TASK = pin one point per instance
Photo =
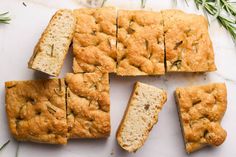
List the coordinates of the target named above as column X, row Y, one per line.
column 51, row 49
column 187, row 43
column 141, row 114
column 36, row 110
column 94, row 42
column 201, row 109
column 140, row 43
column 88, row 105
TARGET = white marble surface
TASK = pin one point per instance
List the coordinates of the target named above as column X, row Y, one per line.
column 18, row 39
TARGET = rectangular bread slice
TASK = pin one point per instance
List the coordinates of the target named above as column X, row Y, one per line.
column 187, row 43
column 141, row 114
column 88, row 105
column 51, row 49
column 140, row 43
column 201, row 109
column 94, row 42
column 36, row 110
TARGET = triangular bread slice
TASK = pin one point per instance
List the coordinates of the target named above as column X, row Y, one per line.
column 140, row 116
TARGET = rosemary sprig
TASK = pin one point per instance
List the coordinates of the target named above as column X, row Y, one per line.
column 103, row 2
column 228, row 7
column 4, row 19
column 229, row 25
column 175, row 3
column 186, row 1
column 4, row 145
column 214, row 8
column 17, row 149
column 24, row 4
column 143, row 3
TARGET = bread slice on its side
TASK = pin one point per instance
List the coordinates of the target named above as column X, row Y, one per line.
column 51, row 49
column 140, row 116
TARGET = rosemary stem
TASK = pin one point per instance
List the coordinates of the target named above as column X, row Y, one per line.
column 4, row 145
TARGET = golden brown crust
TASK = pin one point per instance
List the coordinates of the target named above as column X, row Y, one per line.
column 94, row 43
column 187, row 41
column 36, row 110
column 201, row 109
column 140, row 47
column 88, row 105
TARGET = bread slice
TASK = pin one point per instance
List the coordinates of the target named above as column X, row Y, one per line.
column 88, row 105
column 50, row 52
column 94, row 42
column 140, row 116
column 188, row 47
column 36, row 110
column 201, row 109
column 140, row 43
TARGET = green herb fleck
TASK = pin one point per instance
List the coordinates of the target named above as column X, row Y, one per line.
column 24, row 4
column 146, row 44
column 52, row 49
column 4, row 19
column 186, row 1
column 177, row 63
column 178, row 44
column 4, row 145
column 17, row 149
column 143, row 3
column 103, row 3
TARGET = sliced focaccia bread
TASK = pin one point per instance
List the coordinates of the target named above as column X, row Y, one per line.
column 36, row 110
column 94, row 42
column 51, row 50
column 140, row 43
column 188, row 47
column 140, row 116
column 201, row 109
column 88, row 105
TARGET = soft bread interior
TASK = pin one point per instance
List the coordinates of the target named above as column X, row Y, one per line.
column 141, row 114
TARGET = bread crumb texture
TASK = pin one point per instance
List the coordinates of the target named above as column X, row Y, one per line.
column 140, row 116
column 88, row 105
column 140, row 43
column 187, row 43
column 94, row 42
column 51, row 50
column 36, row 110
column 201, row 109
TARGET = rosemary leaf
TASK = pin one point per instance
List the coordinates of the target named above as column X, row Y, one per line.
column 218, row 9
column 4, row 145
column 143, row 3
column 186, row 1
column 228, row 7
column 229, row 25
column 203, row 2
column 17, row 149
column 197, row 5
column 175, row 3
column 4, row 18
column 24, row 4
column 4, row 14
column 103, row 2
